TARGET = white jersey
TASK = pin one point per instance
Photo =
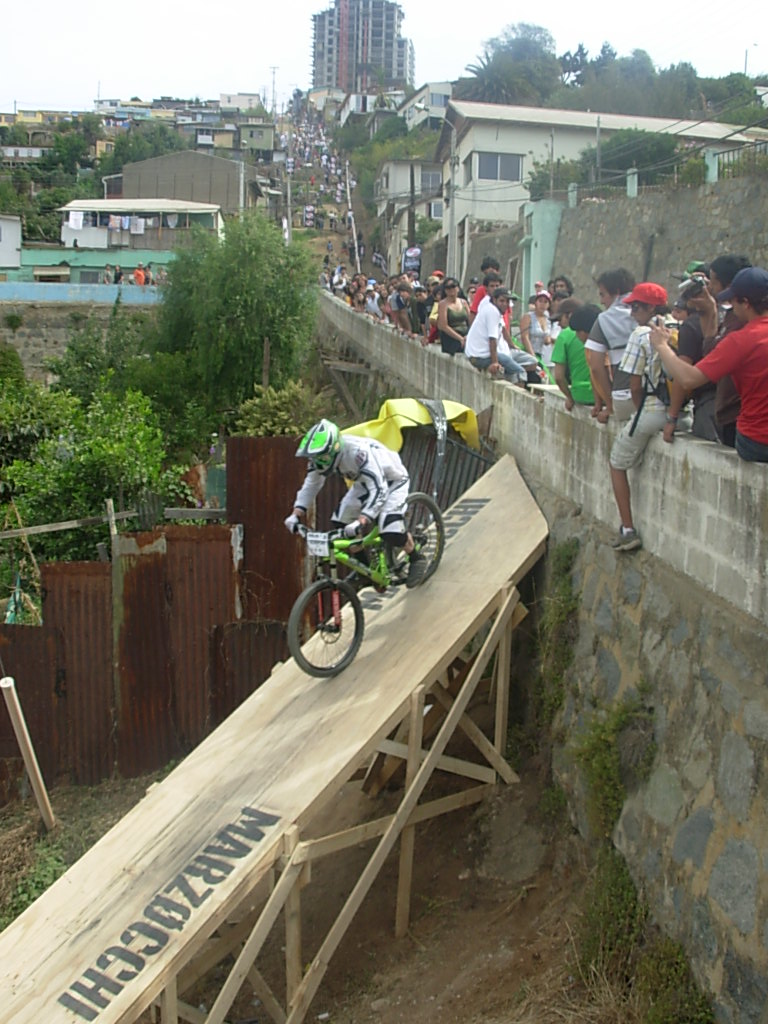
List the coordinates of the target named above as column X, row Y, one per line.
column 380, row 481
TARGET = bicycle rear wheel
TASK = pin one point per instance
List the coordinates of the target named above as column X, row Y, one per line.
column 424, row 522
column 325, row 627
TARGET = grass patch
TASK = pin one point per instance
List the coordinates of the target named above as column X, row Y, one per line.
column 617, row 752
column 557, row 633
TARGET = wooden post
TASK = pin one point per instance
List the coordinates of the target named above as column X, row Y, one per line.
column 169, row 1003
column 408, row 838
column 293, row 964
column 502, row 690
column 8, row 686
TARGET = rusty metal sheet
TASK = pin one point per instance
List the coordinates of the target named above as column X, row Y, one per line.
column 145, row 694
column 263, row 476
column 34, row 657
column 243, row 655
column 202, row 590
column 77, row 599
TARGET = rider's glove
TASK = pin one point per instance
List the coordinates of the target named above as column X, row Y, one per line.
column 292, row 523
column 353, row 529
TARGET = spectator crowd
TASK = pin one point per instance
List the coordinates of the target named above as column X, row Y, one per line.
column 697, row 363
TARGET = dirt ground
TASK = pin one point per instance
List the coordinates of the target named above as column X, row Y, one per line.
column 496, row 891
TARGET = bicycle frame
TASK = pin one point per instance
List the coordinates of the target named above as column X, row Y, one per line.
column 340, row 553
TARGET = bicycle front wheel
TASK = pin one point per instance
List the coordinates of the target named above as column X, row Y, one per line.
column 325, row 628
column 424, row 522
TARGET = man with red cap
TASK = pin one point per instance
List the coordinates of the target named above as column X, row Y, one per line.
column 650, row 396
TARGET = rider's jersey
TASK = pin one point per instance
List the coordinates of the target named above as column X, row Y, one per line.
column 373, row 469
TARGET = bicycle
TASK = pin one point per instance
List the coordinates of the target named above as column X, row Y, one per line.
column 327, row 617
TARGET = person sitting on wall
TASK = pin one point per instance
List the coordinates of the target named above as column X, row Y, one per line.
column 485, row 346
column 743, row 354
column 487, row 267
column 571, row 371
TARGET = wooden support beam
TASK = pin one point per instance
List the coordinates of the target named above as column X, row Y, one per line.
column 253, row 944
column 453, row 765
column 479, row 739
column 408, row 837
column 517, row 617
column 293, row 961
column 344, row 393
column 319, row 965
column 169, row 1004
column 268, row 1000
column 383, row 768
column 314, row 849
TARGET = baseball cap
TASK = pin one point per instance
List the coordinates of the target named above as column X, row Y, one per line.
column 433, row 279
column 648, row 293
column 438, row 273
column 750, row 283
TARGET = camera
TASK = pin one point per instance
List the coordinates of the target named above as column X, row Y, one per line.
column 692, row 286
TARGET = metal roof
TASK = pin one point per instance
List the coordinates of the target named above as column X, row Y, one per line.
column 139, row 206
column 460, row 114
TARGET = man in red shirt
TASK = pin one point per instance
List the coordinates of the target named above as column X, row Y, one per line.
column 743, row 354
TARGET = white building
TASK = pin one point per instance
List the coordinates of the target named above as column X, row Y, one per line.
column 428, row 104
column 394, row 190
column 134, row 223
column 10, row 242
column 493, row 149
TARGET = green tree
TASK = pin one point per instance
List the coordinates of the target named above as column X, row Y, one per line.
column 229, row 302
column 112, row 450
column 519, row 67
column 651, row 153
column 28, row 415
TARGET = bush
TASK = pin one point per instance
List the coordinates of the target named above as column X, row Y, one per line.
column 289, row 410
column 11, row 367
column 111, row 450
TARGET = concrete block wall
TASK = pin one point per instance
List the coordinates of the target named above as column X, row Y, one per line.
column 697, row 505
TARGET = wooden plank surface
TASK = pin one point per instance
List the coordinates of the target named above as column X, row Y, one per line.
column 115, row 929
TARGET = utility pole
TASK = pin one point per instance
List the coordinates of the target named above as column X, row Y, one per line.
column 288, row 174
column 599, row 172
column 551, row 163
column 273, row 69
column 351, row 219
column 450, row 267
column 412, row 211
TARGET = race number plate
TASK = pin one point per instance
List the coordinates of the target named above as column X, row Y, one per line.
column 317, row 544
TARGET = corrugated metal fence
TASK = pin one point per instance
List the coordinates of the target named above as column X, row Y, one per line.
column 138, row 659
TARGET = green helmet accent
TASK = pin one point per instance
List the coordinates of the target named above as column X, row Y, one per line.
column 321, row 445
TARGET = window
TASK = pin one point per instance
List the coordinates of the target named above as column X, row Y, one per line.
column 430, row 182
column 436, row 210
column 438, row 99
column 500, row 167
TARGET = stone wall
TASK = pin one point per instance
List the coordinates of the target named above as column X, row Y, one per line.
column 669, row 623
column 657, row 234
column 46, row 328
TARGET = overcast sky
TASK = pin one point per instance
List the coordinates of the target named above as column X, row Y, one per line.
column 62, row 57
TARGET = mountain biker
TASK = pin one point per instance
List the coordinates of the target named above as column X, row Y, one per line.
column 380, row 486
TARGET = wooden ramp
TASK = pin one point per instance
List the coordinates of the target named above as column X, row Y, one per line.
column 201, row 869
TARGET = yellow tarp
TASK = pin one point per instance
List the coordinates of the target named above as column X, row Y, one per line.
column 397, row 413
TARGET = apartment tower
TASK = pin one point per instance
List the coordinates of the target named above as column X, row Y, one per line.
column 357, row 47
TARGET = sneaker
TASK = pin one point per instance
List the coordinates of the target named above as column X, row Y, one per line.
column 627, row 540
column 417, row 570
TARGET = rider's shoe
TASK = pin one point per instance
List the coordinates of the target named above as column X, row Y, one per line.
column 417, row 570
